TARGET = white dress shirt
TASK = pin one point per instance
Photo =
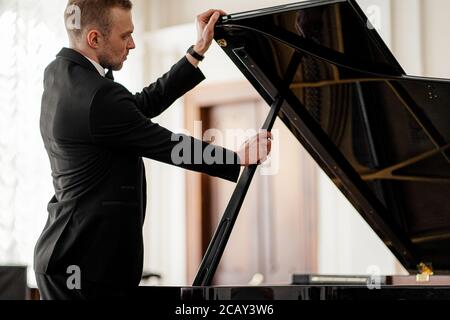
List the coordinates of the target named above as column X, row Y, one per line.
column 97, row 66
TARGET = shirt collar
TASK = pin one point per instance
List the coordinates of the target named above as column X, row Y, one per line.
column 97, row 66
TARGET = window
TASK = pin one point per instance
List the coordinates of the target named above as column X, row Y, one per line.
column 29, row 43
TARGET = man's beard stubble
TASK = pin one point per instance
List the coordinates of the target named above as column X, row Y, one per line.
column 107, row 62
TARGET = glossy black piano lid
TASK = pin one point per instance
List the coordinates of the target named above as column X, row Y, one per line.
column 383, row 137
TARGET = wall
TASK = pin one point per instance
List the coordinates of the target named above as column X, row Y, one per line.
column 436, row 41
column 175, row 12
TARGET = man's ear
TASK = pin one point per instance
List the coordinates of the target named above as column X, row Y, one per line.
column 93, row 38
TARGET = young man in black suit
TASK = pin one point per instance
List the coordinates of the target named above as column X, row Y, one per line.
column 96, row 133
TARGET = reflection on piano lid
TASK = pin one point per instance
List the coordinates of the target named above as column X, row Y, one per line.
column 382, row 137
column 307, row 279
column 370, row 280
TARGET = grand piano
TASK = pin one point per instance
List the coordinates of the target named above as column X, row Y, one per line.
column 382, row 137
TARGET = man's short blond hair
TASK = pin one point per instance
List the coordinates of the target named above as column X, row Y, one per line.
column 92, row 13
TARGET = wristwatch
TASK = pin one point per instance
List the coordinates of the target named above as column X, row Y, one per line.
column 197, row 56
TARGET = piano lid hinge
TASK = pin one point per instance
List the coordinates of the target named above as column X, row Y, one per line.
column 222, row 42
column 425, row 272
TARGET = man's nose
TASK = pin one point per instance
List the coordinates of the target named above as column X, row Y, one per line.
column 131, row 44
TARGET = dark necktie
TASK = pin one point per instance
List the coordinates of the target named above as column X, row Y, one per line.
column 110, row 75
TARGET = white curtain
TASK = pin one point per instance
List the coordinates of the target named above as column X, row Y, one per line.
column 31, row 33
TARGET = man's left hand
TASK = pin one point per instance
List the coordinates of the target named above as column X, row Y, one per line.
column 205, row 27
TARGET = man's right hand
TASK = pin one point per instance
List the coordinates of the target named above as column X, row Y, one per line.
column 256, row 150
column 205, row 28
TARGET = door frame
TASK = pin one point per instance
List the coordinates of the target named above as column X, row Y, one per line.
column 204, row 97
column 207, row 96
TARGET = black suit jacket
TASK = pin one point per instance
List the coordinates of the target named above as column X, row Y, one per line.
column 96, row 133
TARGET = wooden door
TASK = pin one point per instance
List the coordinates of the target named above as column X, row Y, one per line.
column 275, row 234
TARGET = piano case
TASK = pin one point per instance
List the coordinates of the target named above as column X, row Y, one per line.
column 382, row 137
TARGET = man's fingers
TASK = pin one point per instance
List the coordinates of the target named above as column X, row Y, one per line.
column 212, row 21
column 269, row 146
column 264, row 145
column 265, row 135
column 257, row 149
column 205, row 17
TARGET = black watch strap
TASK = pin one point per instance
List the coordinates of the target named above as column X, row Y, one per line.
column 197, row 56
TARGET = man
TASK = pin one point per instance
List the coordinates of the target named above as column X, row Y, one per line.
column 96, row 133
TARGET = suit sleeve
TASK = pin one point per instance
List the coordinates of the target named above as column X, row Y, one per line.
column 157, row 97
column 116, row 123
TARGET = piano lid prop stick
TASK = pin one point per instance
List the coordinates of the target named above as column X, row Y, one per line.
column 220, row 239
column 223, row 232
